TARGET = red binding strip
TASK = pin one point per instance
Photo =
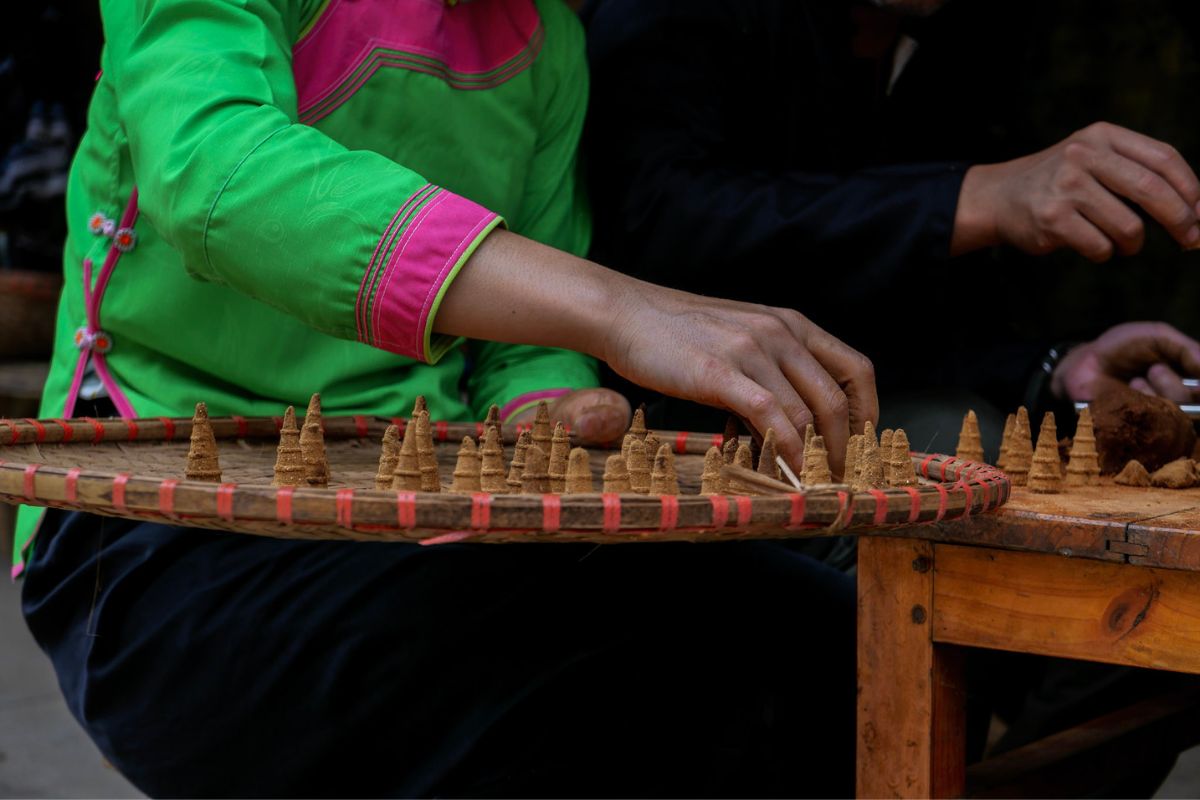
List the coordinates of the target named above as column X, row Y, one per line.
column 68, row 431
column 551, row 512
column 681, row 442
column 669, row 519
column 283, row 504
column 168, row 427
column 131, row 430
column 844, row 507
column 914, row 510
column 166, row 497
column 970, row 500
column 743, row 509
column 37, row 426
column 12, row 427
column 481, row 511
column 441, row 429
column 718, row 440
column 225, row 501
column 612, row 512
column 71, row 485
column 360, row 426
column 345, row 507
column 118, row 492
column 925, row 465
column 796, row 518
column 942, row 498
column 30, row 471
column 947, row 463
column 97, row 430
column 881, row 508
column 406, row 510
column 279, row 423
column 987, row 493
column 242, row 428
column 479, row 431
column 720, row 507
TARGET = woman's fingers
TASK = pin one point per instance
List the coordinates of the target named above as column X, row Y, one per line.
column 1143, row 386
column 1114, row 219
column 1167, row 383
column 851, row 370
column 756, row 403
column 828, row 403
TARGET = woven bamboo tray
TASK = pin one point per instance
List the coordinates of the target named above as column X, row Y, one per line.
column 134, row 469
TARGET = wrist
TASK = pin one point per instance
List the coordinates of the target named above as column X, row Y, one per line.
column 974, row 217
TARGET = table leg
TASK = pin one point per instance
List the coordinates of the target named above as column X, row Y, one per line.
column 911, row 698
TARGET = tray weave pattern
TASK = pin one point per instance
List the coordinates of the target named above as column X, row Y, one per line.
column 134, row 468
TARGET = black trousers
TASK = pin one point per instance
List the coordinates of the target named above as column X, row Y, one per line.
column 217, row 664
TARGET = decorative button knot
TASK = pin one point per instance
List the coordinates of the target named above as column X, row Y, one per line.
column 97, row 223
column 95, row 341
column 125, row 239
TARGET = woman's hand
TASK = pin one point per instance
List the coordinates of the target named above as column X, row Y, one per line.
column 1152, row 356
column 597, row 416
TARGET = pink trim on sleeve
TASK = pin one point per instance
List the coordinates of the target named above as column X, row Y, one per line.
column 524, row 401
column 428, row 253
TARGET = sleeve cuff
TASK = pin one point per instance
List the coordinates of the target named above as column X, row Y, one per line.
column 420, row 253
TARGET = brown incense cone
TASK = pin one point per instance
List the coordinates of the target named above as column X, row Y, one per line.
column 816, row 463
column 885, row 454
column 491, row 473
column 1134, row 474
column 535, row 479
column 202, row 461
column 560, row 450
column 710, row 478
column 1045, row 473
column 652, row 443
column 901, row 471
column 1179, row 474
column 1083, row 468
column 638, row 426
column 870, row 465
column 663, row 479
column 419, row 405
column 542, row 429
column 970, row 446
column 853, row 452
column 638, row 464
column 492, row 421
column 729, row 450
column 626, row 441
column 743, row 457
column 809, row 432
column 467, row 468
column 616, row 475
column 312, row 445
column 579, row 473
column 767, row 465
column 520, row 453
column 289, row 459
column 407, row 477
column 1010, row 423
column 1019, row 457
column 388, row 457
column 426, row 455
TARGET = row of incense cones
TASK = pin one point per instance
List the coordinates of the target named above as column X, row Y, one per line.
column 1040, row 467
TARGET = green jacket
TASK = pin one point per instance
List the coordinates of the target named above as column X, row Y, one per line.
column 310, row 177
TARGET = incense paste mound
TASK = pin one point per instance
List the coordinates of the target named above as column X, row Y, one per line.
column 1132, row 426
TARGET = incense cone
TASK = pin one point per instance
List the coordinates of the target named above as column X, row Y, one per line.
column 766, row 459
column 885, row 454
column 626, row 441
column 743, row 457
column 1010, row 423
column 407, row 477
column 492, row 421
column 542, row 431
column 1019, row 456
column 289, row 458
column 426, row 455
column 579, row 473
column 638, row 465
column 638, row 426
column 419, row 405
column 664, row 480
column 520, row 453
column 816, row 463
column 491, row 473
column 467, row 468
column 388, row 457
column 853, row 451
column 710, row 478
column 616, row 475
column 870, row 465
column 1083, row 468
column 312, row 445
column 560, row 449
column 1045, row 473
column 729, row 450
column 1134, row 474
column 970, row 446
column 534, row 478
column 652, row 443
column 901, row 469
column 202, row 461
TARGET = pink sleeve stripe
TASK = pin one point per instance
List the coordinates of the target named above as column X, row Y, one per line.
column 434, row 245
column 382, row 247
column 524, row 402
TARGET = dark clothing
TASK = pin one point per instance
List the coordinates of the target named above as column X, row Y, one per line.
column 206, row 663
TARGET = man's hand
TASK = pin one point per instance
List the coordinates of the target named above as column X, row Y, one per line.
column 1071, row 195
column 1151, row 356
column 598, row 416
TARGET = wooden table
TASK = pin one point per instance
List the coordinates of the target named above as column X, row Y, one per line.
column 1108, row 573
